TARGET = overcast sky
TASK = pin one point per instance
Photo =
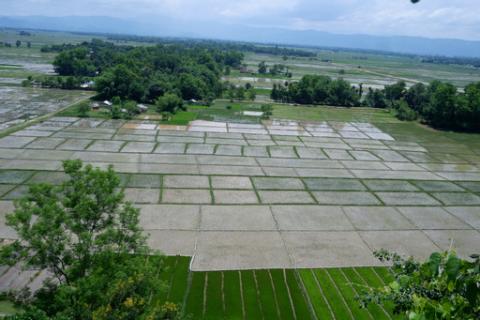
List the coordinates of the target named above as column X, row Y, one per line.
column 430, row 18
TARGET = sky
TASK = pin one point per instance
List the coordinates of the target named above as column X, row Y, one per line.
column 458, row 19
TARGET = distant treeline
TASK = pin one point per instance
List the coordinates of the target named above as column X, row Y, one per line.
column 146, row 73
column 475, row 62
column 57, row 47
column 222, row 45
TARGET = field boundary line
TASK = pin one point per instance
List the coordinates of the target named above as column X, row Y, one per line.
column 244, row 313
column 289, row 294
column 366, row 283
column 350, row 284
column 305, row 294
column 340, row 294
column 205, row 287
column 257, row 289
column 323, row 294
column 274, row 294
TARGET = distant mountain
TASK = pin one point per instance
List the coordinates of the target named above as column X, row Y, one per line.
column 155, row 26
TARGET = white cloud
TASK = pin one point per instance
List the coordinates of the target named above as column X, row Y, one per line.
column 432, row 18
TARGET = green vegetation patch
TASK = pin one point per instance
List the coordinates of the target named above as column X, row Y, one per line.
column 326, row 113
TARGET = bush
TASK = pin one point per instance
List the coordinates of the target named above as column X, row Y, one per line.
column 116, row 111
column 443, row 287
column 83, row 109
column 169, row 102
column 404, row 112
column 267, row 110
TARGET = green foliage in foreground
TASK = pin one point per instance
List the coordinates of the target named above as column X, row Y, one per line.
column 89, row 240
column 443, row 287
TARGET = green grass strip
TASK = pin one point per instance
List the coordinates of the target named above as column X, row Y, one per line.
column 195, row 297
column 370, row 277
column 232, row 293
column 179, row 283
column 385, row 274
column 332, row 295
column 360, row 285
column 301, row 307
column 349, row 294
column 252, row 305
column 267, row 296
column 214, row 303
column 167, row 275
column 283, row 300
column 320, row 305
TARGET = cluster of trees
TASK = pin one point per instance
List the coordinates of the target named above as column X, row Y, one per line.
column 57, row 47
column 276, row 69
column 146, row 73
column 440, row 104
column 234, row 92
column 475, row 62
column 91, row 244
column 315, row 89
column 18, row 44
column 60, row 82
column 222, row 45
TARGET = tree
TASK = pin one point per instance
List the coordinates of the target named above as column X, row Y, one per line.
column 443, row 287
column 395, row 91
column 251, row 94
column 267, row 110
column 119, row 81
column 29, row 44
column 83, row 109
column 375, row 98
column 89, row 240
column 116, row 111
column 130, row 109
column 441, row 110
column 417, row 96
column 403, row 111
column 18, row 43
column 170, row 102
column 240, row 93
column 62, row 229
column 262, row 67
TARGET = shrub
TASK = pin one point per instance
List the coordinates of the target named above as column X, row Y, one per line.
column 169, row 102
column 83, row 109
column 267, row 110
column 404, row 112
column 116, row 111
column 443, row 287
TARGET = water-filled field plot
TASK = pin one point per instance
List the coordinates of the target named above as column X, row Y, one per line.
column 18, row 104
column 278, row 194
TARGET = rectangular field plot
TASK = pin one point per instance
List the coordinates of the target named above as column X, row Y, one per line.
column 20, row 104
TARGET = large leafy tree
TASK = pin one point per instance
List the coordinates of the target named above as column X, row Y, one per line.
column 90, row 242
column 169, row 102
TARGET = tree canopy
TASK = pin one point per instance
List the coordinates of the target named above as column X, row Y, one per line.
column 145, row 73
column 315, row 89
column 89, row 241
